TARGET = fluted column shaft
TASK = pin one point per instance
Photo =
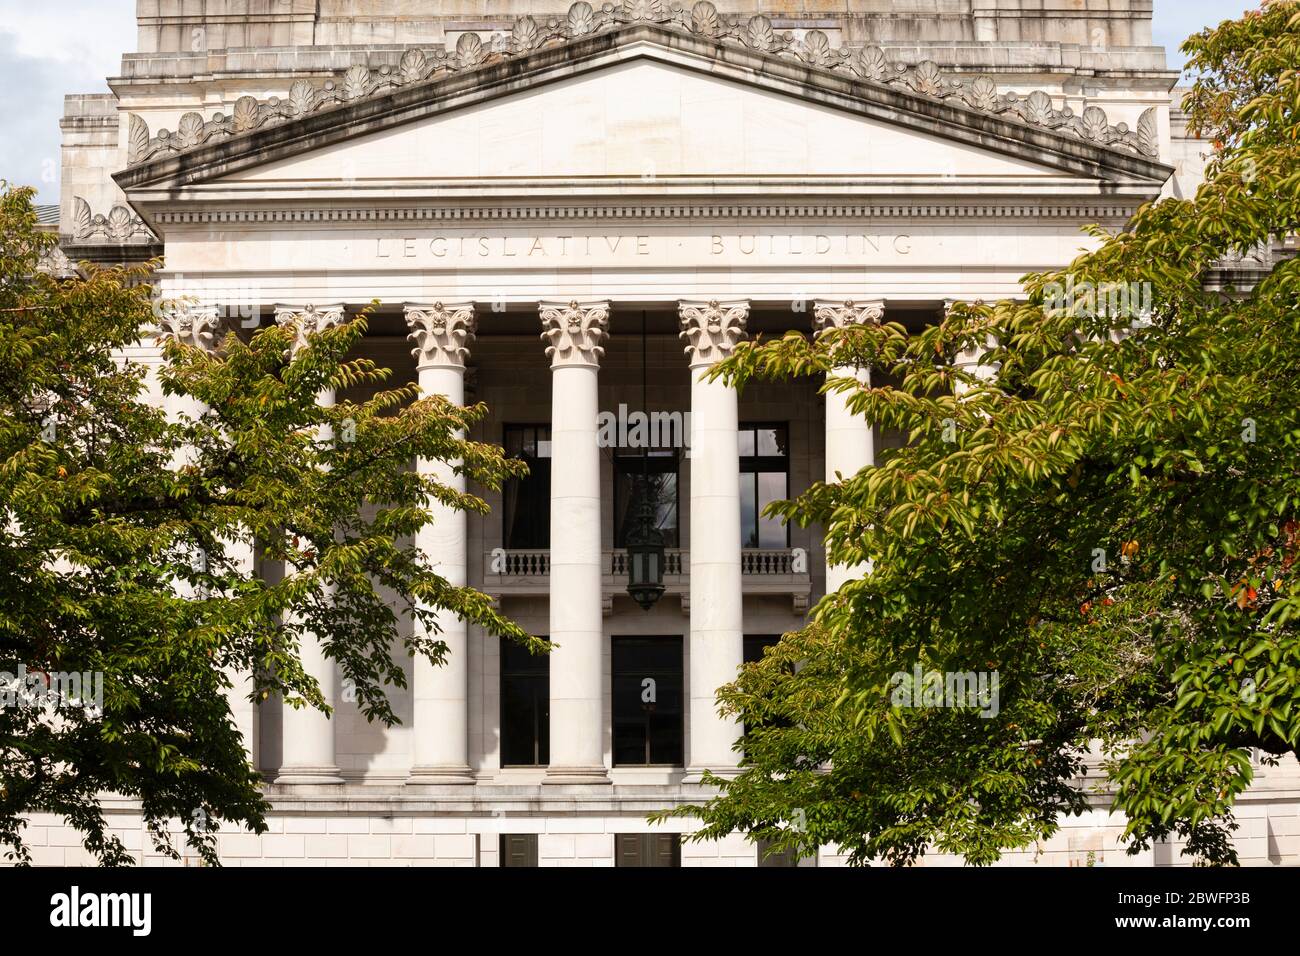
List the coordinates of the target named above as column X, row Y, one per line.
column 850, row 443
column 711, row 331
column 440, row 727
column 574, row 333
column 308, row 751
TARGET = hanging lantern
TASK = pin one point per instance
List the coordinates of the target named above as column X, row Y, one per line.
column 645, row 549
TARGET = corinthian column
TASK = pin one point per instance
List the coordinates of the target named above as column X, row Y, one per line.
column 308, row 735
column 201, row 327
column 850, row 445
column 711, row 331
column 440, row 728
column 574, row 333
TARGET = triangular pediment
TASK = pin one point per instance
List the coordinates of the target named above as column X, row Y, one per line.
column 642, row 120
column 640, row 105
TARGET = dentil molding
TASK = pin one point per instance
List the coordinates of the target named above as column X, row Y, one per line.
column 526, row 211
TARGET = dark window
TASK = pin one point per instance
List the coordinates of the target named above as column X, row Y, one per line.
column 647, row 849
column 661, row 469
column 525, row 707
column 527, row 501
column 755, row 644
column 764, row 478
column 518, row 849
column 647, row 704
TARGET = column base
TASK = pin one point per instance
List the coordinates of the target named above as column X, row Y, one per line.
column 440, row 777
column 308, row 776
column 576, row 776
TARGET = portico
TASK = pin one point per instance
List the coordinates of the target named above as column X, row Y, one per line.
column 717, row 233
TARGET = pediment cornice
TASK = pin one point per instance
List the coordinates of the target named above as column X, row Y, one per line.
column 314, row 116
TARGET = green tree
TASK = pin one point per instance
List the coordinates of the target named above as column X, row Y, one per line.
column 118, row 533
column 1106, row 513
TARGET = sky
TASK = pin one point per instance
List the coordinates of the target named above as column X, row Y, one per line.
column 55, row 47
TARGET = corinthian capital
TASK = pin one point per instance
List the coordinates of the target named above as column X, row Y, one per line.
column 575, row 332
column 197, row 326
column 442, row 333
column 712, row 329
column 306, row 320
column 839, row 315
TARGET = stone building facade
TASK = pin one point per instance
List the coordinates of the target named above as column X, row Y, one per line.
column 525, row 189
